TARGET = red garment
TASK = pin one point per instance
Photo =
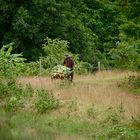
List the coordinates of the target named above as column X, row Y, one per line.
column 68, row 62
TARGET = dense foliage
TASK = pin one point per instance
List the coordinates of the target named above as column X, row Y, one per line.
column 13, row 96
column 92, row 27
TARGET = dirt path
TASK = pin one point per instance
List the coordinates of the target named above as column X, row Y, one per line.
column 100, row 89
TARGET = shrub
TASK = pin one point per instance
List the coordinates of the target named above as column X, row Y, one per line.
column 9, row 87
column 119, row 132
column 55, row 51
column 136, row 122
column 46, row 101
column 30, row 69
column 12, row 104
column 10, row 94
column 126, row 55
column 133, row 81
column 10, row 64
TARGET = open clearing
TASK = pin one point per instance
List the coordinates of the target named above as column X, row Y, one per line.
column 100, row 90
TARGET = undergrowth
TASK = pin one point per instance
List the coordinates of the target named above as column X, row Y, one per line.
column 40, row 126
column 132, row 84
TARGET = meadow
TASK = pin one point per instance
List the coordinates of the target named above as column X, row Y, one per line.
column 100, row 91
column 93, row 107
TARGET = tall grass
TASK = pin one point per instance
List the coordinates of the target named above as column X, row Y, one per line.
column 93, row 106
column 100, row 89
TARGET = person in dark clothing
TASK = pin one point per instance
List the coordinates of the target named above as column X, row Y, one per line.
column 68, row 62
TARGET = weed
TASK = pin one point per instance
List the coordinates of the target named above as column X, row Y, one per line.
column 136, row 122
column 9, row 87
column 45, row 101
column 28, row 91
column 120, row 108
column 12, row 104
column 132, row 83
column 71, row 107
column 91, row 112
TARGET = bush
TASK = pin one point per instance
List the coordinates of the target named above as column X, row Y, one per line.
column 133, row 82
column 9, row 87
column 10, row 94
column 136, row 122
column 10, row 64
column 119, row 132
column 46, row 101
column 30, row 69
column 55, row 50
column 12, row 104
column 126, row 55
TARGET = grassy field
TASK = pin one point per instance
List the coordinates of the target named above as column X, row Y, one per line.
column 100, row 90
column 94, row 106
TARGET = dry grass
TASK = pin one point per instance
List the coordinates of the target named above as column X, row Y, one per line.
column 100, row 89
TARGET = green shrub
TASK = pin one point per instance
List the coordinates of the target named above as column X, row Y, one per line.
column 126, row 55
column 119, row 132
column 12, row 104
column 133, row 81
column 10, row 64
column 136, row 122
column 80, row 66
column 10, row 94
column 133, row 84
column 9, row 87
column 45, row 101
column 55, row 50
column 30, row 69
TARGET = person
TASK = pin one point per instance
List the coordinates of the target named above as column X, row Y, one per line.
column 68, row 62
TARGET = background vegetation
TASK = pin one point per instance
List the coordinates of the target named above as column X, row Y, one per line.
column 35, row 35
column 107, row 31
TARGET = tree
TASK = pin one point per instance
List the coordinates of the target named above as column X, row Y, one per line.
column 102, row 18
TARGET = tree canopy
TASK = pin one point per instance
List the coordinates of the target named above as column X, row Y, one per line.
column 93, row 28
